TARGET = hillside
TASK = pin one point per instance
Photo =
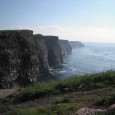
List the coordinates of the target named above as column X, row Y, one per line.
column 88, row 93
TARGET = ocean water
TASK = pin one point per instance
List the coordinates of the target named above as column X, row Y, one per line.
column 94, row 57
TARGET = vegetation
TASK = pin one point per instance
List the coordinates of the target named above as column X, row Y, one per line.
column 106, row 101
column 66, row 96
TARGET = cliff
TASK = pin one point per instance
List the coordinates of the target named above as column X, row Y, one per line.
column 65, row 46
column 76, row 44
column 18, row 58
column 54, row 51
column 42, row 53
column 24, row 57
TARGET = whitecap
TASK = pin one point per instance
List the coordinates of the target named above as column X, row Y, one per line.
column 73, row 69
column 63, row 71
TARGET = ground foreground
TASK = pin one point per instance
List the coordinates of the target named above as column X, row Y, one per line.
column 81, row 95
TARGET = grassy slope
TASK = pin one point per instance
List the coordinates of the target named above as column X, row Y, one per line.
column 69, row 95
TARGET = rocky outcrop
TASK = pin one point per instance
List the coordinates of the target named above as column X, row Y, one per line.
column 18, row 58
column 65, row 46
column 42, row 53
column 54, row 51
column 76, row 44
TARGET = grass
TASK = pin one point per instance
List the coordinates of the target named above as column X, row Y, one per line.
column 85, row 82
column 58, row 109
column 87, row 89
column 62, row 99
column 106, row 101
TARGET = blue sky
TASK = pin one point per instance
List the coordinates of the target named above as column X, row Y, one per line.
column 83, row 20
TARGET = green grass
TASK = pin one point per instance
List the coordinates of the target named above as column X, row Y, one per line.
column 56, row 109
column 88, row 82
column 106, row 101
column 61, row 99
column 85, row 84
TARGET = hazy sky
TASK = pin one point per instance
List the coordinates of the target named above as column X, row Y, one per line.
column 83, row 20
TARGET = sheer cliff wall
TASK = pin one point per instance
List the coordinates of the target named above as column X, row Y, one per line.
column 24, row 57
column 18, row 59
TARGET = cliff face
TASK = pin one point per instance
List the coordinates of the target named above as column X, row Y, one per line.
column 42, row 53
column 54, row 51
column 76, row 44
column 18, row 59
column 65, row 46
column 24, row 57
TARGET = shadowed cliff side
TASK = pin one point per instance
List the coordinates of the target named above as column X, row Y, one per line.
column 65, row 46
column 54, row 51
column 42, row 52
column 18, row 58
column 25, row 59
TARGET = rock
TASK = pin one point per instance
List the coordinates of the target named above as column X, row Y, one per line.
column 76, row 44
column 54, row 51
column 65, row 46
column 18, row 58
column 24, row 58
column 42, row 53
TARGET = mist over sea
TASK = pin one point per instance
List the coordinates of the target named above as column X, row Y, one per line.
column 94, row 57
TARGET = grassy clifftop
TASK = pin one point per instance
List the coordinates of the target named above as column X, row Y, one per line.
column 63, row 97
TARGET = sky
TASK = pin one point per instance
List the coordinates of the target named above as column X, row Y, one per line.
column 75, row 20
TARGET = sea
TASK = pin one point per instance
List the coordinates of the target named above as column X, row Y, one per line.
column 93, row 58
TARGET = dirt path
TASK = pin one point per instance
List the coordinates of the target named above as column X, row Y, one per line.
column 6, row 92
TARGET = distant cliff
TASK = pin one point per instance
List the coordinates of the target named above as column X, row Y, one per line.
column 18, row 58
column 54, row 51
column 49, row 52
column 24, row 57
column 42, row 53
column 76, row 44
column 65, row 46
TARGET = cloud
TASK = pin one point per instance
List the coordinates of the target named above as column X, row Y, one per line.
column 85, row 34
column 89, row 34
